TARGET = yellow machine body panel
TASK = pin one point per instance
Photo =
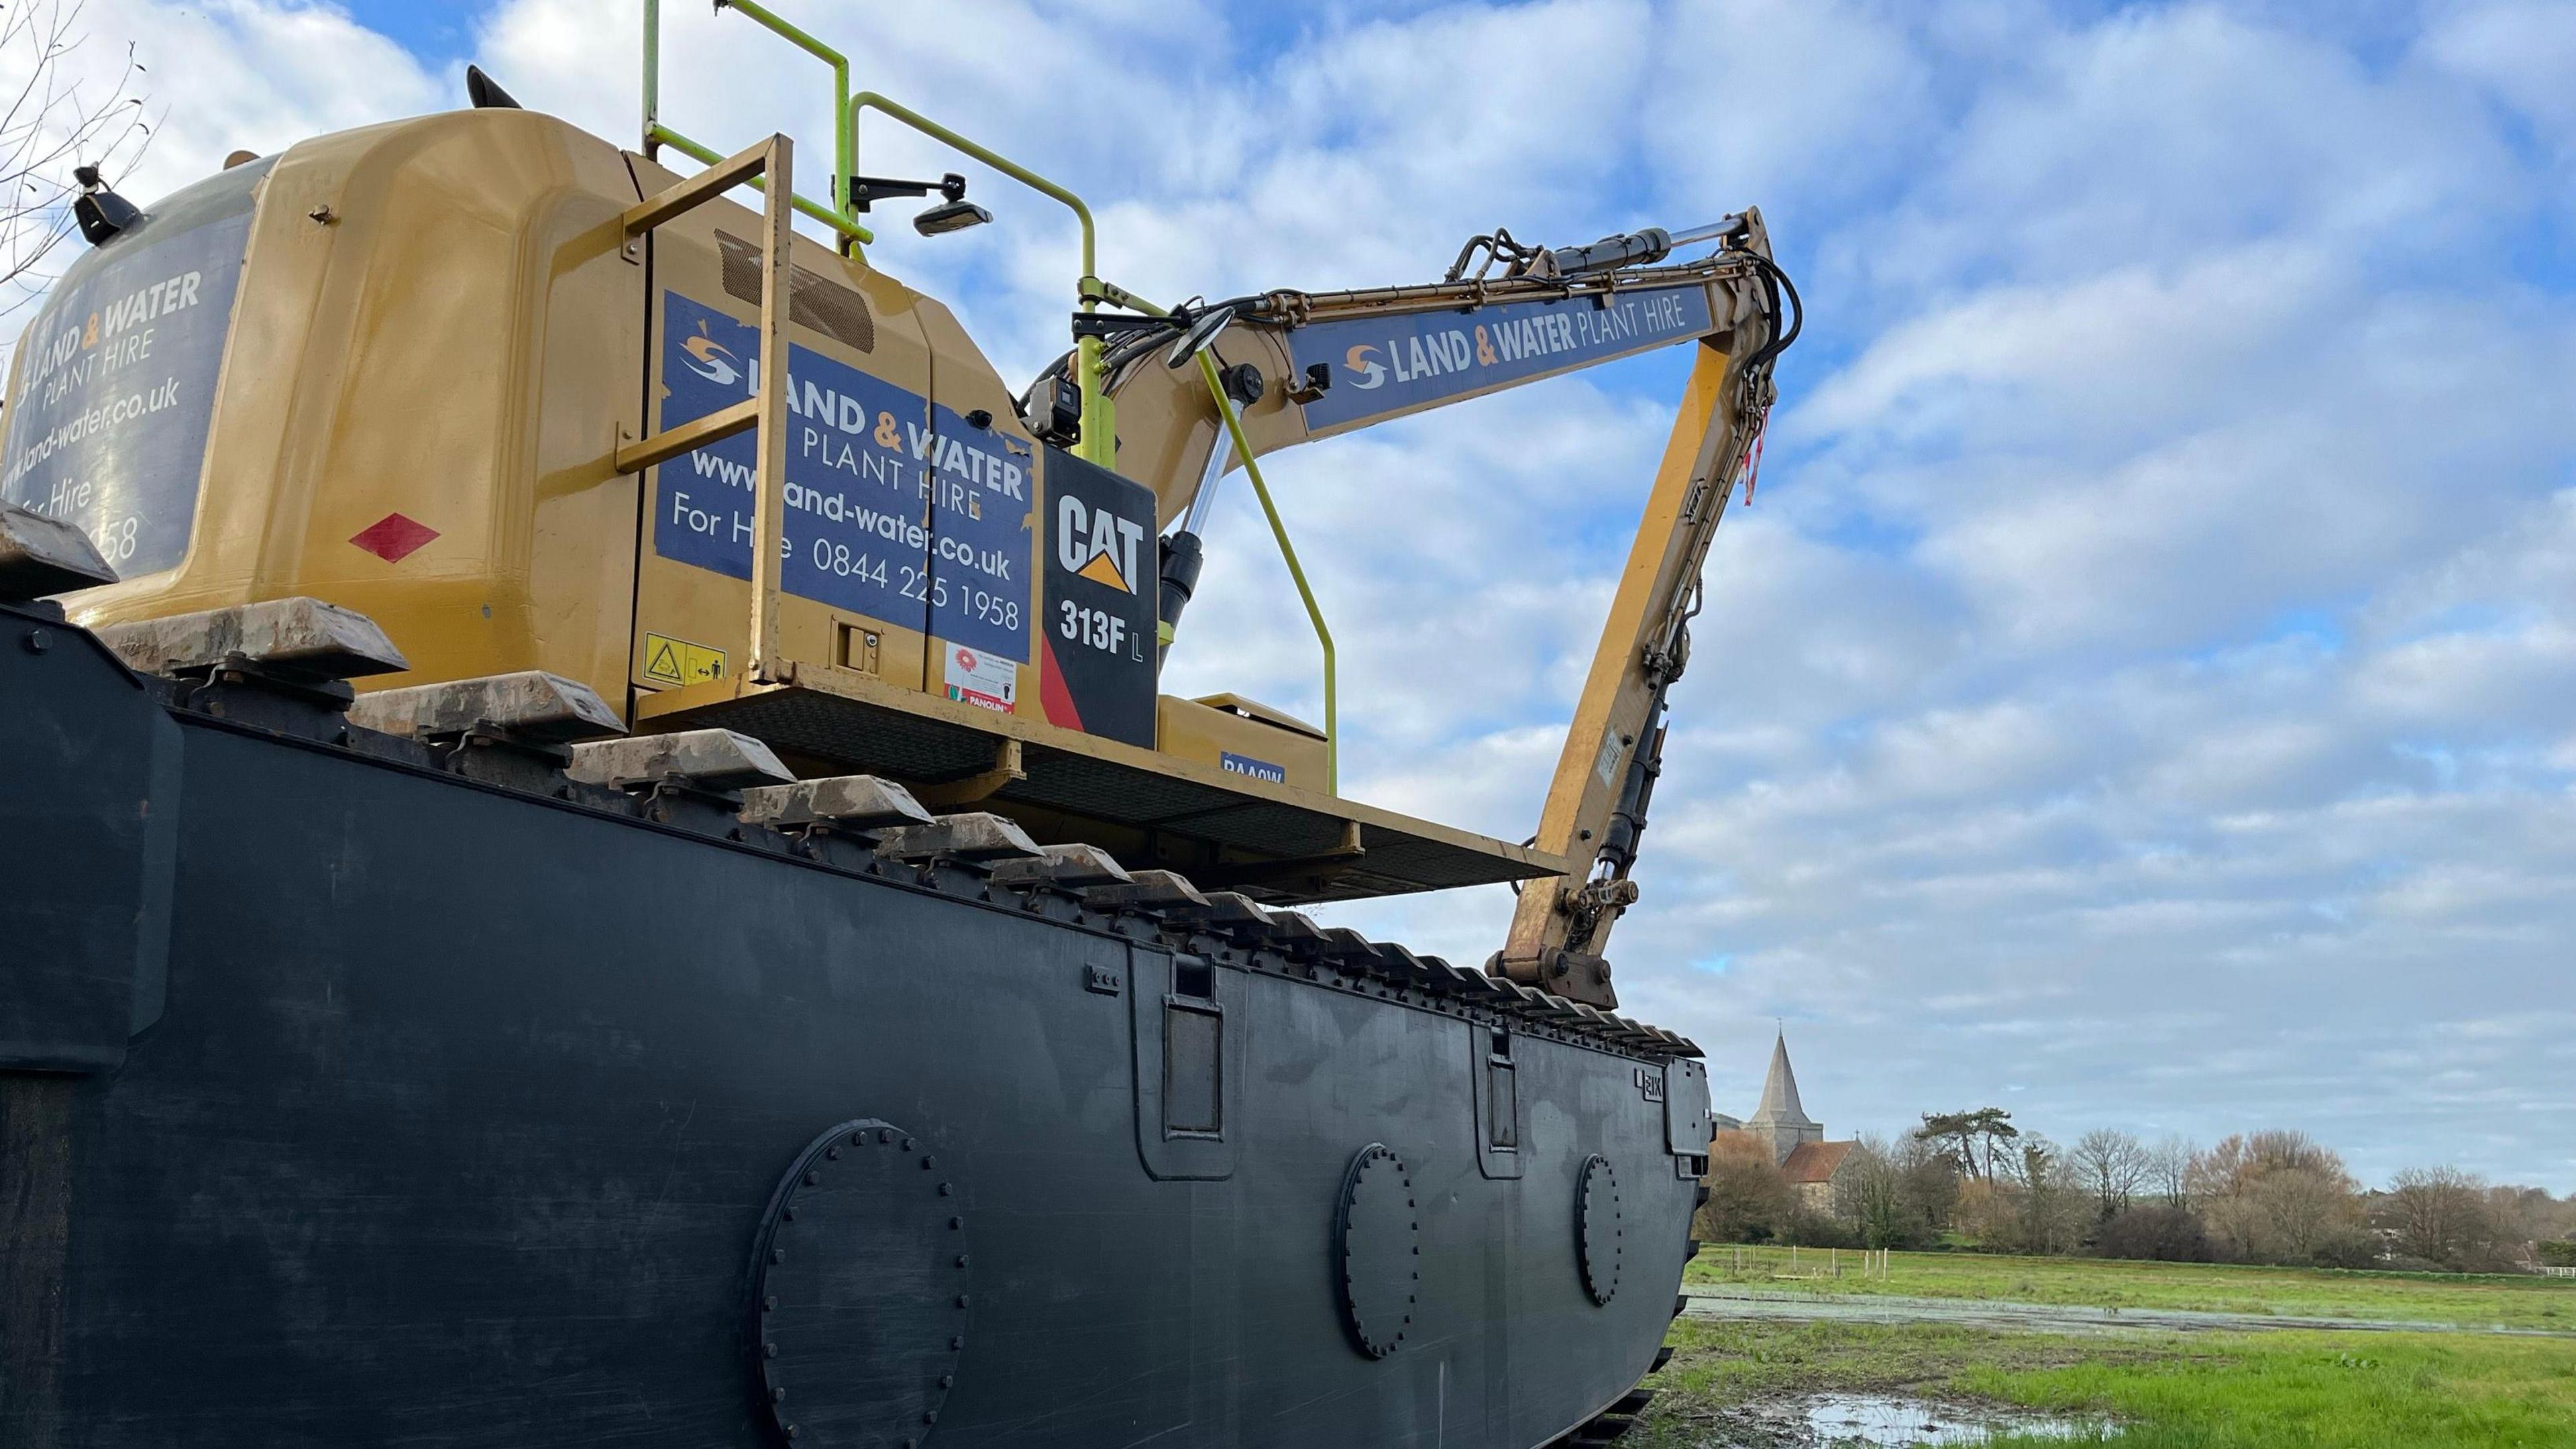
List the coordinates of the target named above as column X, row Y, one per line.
column 919, row 511
column 1241, row 737
column 434, row 343
column 703, row 306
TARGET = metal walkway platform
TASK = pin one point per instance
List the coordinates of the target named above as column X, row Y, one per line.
column 1275, row 843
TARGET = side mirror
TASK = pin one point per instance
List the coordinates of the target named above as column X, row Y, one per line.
column 1201, row 335
column 102, row 213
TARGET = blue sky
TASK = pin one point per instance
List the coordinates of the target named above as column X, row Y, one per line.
column 2140, row 695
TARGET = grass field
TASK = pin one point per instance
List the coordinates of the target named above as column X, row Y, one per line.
column 2507, row 1302
column 1741, row 1384
column 2148, row 1391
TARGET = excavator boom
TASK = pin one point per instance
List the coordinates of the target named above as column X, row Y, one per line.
column 1302, row 366
column 1349, row 360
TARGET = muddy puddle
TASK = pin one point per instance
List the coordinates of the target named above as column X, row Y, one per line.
column 1884, row 1421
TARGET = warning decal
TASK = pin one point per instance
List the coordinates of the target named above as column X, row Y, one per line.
column 677, row 661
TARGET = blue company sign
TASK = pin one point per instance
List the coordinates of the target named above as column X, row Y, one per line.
column 1387, row 364
column 1235, row 764
column 896, row 509
column 116, row 389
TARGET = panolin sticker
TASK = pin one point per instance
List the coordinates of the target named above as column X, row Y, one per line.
column 976, row 677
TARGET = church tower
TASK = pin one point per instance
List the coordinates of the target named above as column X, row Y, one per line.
column 1780, row 1121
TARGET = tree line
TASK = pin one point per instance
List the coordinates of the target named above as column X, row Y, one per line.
column 1973, row 1179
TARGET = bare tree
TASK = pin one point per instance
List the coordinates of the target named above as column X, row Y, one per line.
column 1929, row 1181
column 2311, row 1215
column 2169, row 1169
column 1749, row 1200
column 2442, row 1215
column 54, row 120
column 1875, row 1190
column 2112, row 1164
column 2530, row 1214
column 1989, row 1215
column 2279, row 1197
column 2055, row 1208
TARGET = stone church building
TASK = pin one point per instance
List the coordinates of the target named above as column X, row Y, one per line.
column 1796, row 1141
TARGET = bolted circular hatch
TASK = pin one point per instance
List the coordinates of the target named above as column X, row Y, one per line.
column 1598, row 1229
column 1377, row 1251
column 859, row 1303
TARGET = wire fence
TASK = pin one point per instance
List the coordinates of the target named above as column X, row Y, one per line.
column 1775, row 1261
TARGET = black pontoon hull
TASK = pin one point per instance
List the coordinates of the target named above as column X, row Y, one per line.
column 454, row 1114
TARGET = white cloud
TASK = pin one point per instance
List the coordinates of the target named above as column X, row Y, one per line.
column 212, row 79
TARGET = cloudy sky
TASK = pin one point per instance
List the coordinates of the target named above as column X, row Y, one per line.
column 2140, row 694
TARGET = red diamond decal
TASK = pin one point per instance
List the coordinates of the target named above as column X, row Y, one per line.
column 393, row 537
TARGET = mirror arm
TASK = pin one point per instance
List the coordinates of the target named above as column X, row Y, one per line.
column 867, row 190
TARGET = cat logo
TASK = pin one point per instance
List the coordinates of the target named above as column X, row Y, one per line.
column 1096, row 543
column 710, row 359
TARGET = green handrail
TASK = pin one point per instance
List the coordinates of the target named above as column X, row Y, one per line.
column 706, row 156
column 844, row 164
column 1099, row 415
column 1278, row 531
column 1288, row 555
column 658, row 134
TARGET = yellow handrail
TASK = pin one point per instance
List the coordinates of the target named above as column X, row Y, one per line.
column 765, row 411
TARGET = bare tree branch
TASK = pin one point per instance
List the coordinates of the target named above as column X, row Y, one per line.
column 53, row 119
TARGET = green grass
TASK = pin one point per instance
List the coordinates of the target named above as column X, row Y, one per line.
column 2153, row 1391
column 2483, row 1301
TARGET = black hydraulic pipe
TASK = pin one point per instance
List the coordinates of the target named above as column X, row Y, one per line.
column 1636, row 249
column 1181, row 558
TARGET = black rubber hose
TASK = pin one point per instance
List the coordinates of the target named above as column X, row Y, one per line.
column 1779, row 281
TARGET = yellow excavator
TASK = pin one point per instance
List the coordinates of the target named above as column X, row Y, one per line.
column 549, row 686
column 969, row 590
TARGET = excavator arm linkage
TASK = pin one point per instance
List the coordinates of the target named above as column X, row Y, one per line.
column 1301, row 366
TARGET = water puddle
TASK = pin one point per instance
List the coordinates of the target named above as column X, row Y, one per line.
column 1882, row 1421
